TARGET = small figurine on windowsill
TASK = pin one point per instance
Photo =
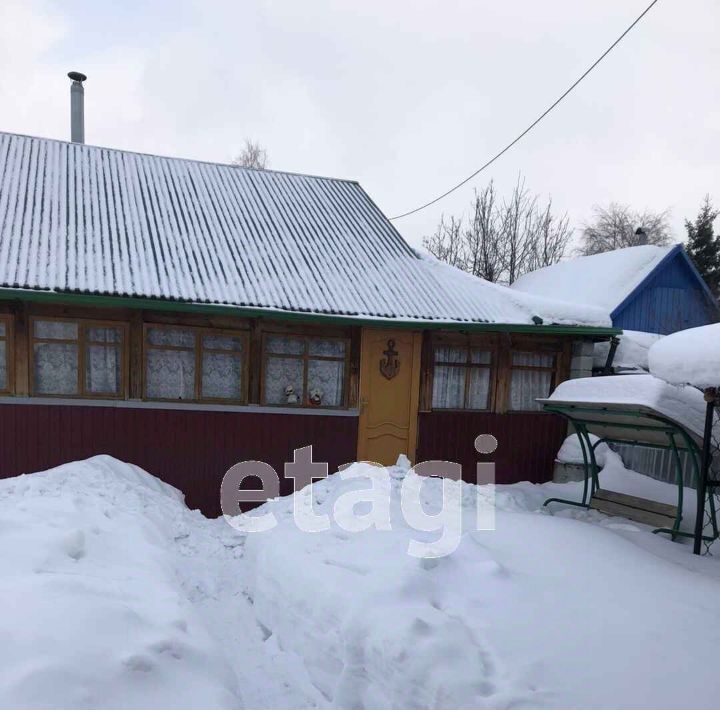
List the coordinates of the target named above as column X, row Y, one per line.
column 316, row 395
column 290, row 396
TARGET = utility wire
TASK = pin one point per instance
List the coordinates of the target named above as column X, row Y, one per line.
column 535, row 122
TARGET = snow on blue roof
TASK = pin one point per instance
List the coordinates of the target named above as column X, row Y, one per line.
column 602, row 280
column 84, row 219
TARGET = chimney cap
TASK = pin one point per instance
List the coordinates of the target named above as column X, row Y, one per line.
column 76, row 76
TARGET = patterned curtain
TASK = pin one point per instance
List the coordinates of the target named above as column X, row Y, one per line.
column 327, row 377
column 222, row 375
column 102, row 369
column 283, row 380
column 55, row 368
column 170, row 374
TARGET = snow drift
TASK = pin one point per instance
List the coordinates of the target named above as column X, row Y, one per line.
column 117, row 596
column 94, row 616
column 546, row 611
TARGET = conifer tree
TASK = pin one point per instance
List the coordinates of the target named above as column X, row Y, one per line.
column 703, row 246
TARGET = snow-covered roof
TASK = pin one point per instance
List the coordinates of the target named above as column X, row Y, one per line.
column 602, row 280
column 684, row 405
column 83, row 219
column 688, row 357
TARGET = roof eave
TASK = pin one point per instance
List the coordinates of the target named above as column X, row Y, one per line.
column 114, row 301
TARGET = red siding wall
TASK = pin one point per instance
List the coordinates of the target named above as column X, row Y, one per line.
column 527, row 442
column 188, row 449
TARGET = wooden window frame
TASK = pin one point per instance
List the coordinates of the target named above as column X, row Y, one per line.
column 501, row 346
column 9, row 340
column 198, row 349
column 83, row 325
column 305, row 357
column 554, row 352
column 468, row 345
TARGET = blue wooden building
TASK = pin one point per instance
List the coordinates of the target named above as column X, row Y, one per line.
column 645, row 288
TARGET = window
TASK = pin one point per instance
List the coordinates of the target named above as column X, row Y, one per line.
column 195, row 364
column 531, row 376
column 461, row 377
column 304, row 370
column 78, row 358
column 4, row 355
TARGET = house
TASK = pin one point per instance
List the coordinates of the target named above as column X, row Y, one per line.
column 185, row 316
column 646, row 288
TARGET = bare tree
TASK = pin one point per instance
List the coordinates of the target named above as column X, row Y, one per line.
column 504, row 240
column 483, row 238
column 617, row 226
column 519, row 230
column 253, row 155
column 446, row 243
column 552, row 239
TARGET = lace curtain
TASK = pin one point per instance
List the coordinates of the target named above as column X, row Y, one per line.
column 282, row 375
column 222, row 375
column 285, row 376
column 3, row 358
column 170, row 374
column 327, row 377
column 449, row 379
column 55, row 368
column 3, row 365
column 102, row 369
column 527, row 385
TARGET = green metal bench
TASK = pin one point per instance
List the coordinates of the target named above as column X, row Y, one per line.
column 636, row 425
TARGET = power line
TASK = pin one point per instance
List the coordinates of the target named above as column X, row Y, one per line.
column 535, row 122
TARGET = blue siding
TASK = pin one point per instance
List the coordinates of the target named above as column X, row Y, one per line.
column 672, row 298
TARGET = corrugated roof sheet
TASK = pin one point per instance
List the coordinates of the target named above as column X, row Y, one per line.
column 78, row 218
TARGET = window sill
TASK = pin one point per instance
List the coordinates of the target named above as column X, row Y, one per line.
column 182, row 406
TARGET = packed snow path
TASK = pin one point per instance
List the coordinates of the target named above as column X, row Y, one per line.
column 116, row 596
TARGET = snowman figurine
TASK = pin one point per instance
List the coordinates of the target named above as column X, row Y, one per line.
column 290, row 396
column 316, row 395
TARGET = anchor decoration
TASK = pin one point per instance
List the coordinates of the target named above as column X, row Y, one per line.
column 390, row 365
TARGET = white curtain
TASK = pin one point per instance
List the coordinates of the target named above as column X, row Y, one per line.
column 448, row 387
column 527, row 385
column 3, row 364
column 55, row 368
column 222, row 375
column 327, row 376
column 102, row 369
column 449, row 379
column 170, row 374
column 281, row 373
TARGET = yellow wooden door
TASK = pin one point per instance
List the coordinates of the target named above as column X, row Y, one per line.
column 389, row 395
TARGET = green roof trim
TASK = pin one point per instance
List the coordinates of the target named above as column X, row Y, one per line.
column 161, row 304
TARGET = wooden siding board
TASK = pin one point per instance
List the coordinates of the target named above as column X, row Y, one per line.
column 670, row 300
column 527, row 442
column 191, row 450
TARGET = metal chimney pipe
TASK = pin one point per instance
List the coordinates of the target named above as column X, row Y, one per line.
column 77, row 107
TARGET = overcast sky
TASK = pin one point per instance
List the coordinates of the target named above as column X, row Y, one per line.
column 407, row 97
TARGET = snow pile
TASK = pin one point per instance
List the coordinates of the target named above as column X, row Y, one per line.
column 602, row 280
column 546, row 611
column 684, row 405
column 117, row 596
column 631, row 354
column 571, row 450
column 689, row 357
column 93, row 616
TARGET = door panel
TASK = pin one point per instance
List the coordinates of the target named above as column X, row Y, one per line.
column 389, row 394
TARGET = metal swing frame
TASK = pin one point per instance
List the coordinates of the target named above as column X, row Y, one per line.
column 584, row 416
